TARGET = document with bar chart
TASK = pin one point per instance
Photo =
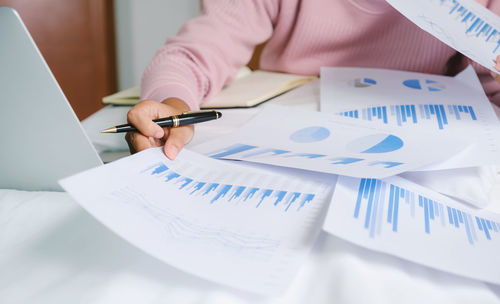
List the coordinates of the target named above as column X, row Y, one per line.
column 321, row 142
column 237, row 226
column 408, row 101
column 400, row 218
column 464, row 25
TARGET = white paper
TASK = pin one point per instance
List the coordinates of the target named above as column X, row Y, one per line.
column 233, row 225
column 469, row 78
column 464, row 25
column 400, row 218
column 410, row 101
column 325, row 143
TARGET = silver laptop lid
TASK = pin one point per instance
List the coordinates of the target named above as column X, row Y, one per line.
column 41, row 139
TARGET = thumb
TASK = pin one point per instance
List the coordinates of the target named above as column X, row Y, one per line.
column 141, row 116
column 177, row 138
column 495, row 76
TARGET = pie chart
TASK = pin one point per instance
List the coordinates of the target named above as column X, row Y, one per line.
column 310, row 134
column 426, row 85
column 376, row 143
column 364, row 82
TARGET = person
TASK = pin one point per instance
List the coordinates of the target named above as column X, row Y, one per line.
column 301, row 37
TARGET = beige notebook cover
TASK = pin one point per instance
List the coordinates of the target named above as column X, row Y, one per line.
column 249, row 90
column 126, row 97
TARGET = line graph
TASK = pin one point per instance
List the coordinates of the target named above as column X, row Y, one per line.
column 407, row 114
column 183, row 230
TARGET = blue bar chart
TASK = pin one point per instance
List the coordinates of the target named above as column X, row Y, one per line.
column 220, row 192
column 383, row 203
column 249, row 228
column 473, row 25
column 412, row 114
column 401, row 218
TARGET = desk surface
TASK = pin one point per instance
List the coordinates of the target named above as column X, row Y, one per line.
column 52, row 251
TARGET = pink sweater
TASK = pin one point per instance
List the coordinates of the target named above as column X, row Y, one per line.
column 302, row 35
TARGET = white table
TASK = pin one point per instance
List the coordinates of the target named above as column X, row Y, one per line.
column 52, row 251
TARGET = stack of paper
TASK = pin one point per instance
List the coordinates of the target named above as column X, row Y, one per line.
column 250, row 229
column 394, row 215
column 443, row 122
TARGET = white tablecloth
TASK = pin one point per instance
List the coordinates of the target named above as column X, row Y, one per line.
column 52, row 251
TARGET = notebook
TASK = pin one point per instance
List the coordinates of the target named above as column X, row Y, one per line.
column 249, row 89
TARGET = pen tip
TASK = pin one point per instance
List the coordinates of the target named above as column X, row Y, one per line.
column 109, row 130
column 219, row 115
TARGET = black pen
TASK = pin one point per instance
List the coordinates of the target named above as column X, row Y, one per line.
column 186, row 118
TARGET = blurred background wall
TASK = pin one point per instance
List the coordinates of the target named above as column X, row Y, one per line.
column 141, row 27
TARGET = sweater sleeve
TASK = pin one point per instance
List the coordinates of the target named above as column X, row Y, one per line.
column 208, row 50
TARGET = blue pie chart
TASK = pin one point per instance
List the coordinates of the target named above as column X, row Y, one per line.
column 310, row 134
column 364, row 82
column 427, row 85
column 376, row 143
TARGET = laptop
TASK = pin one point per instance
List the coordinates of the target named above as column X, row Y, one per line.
column 41, row 138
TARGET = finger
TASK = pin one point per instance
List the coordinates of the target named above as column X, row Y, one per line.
column 495, row 75
column 166, row 133
column 128, row 139
column 497, row 65
column 176, row 140
column 156, row 142
column 141, row 116
column 138, row 142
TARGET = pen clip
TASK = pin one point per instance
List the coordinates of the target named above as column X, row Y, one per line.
column 199, row 111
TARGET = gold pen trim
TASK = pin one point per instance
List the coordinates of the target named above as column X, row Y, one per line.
column 175, row 121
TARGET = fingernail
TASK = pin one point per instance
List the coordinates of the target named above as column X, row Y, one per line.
column 159, row 134
column 171, row 152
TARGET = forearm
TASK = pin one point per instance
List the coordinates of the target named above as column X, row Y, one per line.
column 208, row 50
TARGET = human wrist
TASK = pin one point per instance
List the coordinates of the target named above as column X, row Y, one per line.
column 171, row 90
column 176, row 103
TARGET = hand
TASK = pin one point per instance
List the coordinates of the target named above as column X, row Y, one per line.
column 152, row 135
column 497, row 67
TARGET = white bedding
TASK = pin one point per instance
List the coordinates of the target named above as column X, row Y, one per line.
column 51, row 251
